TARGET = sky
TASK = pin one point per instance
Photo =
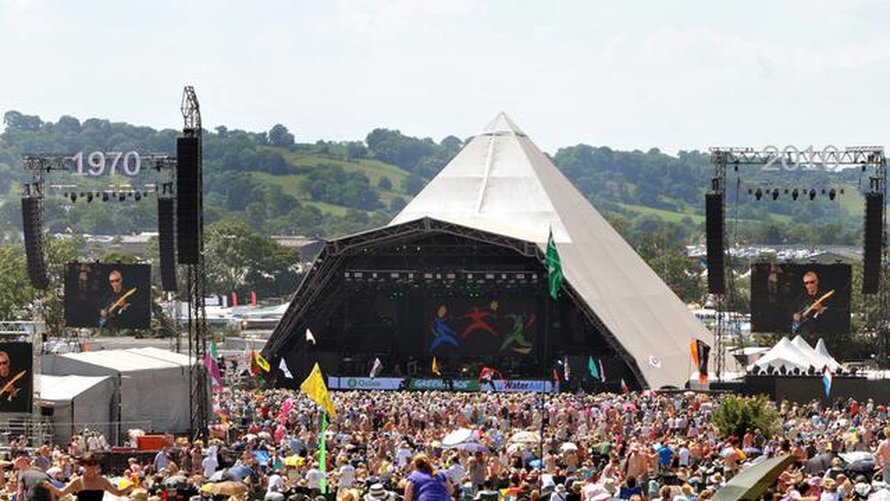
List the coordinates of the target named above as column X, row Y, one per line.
column 676, row 75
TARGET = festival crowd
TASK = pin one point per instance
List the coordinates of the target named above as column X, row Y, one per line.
column 432, row 446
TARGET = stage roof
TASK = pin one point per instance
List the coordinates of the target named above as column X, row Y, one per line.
column 500, row 182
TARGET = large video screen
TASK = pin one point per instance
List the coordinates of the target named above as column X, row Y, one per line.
column 481, row 326
column 16, row 377
column 112, row 296
column 800, row 298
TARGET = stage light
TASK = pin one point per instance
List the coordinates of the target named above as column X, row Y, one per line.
column 775, row 194
column 138, row 196
column 812, row 194
column 121, row 196
column 794, row 194
column 831, row 194
column 89, row 197
column 758, row 194
column 104, row 196
column 73, row 197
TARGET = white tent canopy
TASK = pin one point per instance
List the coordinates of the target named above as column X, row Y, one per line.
column 502, row 183
column 77, row 402
column 784, row 355
column 822, row 350
column 152, row 385
column 816, row 360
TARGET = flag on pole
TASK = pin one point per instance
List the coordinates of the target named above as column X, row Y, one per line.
column 234, row 299
column 435, row 367
column 556, row 379
column 827, row 378
column 700, row 352
column 591, row 366
column 624, row 386
column 309, row 337
column 323, row 452
column 599, row 363
column 282, row 365
column 566, row 368
column 285, row 409
column 315, row 388
column 554, row 268
column 376, row 368
column 261, row 362
column 212, row 365
column 252, row 298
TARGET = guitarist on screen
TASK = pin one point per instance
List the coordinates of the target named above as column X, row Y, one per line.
column 811, row 315
column 116, row 302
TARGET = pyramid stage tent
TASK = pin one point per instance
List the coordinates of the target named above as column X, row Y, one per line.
column 489, row 210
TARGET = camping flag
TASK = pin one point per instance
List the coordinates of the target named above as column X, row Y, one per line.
column 591, row 366
column 566, row 368
column 252, row 298
column 554, row 268
column 261, row 362
column 376, row 368
column 234, row 299
column 827, row 378
column 310, row 338
column 435, row 367
column 315, row 389
column 285, row 410
column 624, row 386
column 282, row 365
column 700, row 351
column 599, row 362
column 211, row 364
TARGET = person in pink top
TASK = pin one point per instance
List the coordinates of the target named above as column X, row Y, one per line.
column 882, row 454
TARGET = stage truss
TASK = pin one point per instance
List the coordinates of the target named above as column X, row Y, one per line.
column 870, row 159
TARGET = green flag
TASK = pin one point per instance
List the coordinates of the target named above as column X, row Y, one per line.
column 554, row 268
column 323, row 453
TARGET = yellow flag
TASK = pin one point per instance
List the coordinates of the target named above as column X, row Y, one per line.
column 435, row 367
column 318, row 391
column 260, row 361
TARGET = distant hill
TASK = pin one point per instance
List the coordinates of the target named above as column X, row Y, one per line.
column 333, row 188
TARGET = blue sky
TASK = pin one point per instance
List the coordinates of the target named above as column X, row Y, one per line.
column 627, row 74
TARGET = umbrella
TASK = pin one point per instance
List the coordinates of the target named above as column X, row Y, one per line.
column 457, row 436
column 293, row 461
column 471, row 447
column 859, row 461
column 525, row 437
column 568, row 447
column 754, row 481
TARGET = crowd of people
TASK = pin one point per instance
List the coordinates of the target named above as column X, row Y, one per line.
column 385, row 446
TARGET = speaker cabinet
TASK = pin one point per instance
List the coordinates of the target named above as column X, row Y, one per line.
column 714, row 238
column 871, row 261
column 32, row 226
column 188, row 200
column 167, row 242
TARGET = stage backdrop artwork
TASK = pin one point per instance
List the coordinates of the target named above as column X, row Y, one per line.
column 113, row 296
column 482, row 326
column 800, row 298
column 16, row 377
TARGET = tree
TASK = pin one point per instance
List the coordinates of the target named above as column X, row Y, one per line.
column 736, row 415
column 16, row 293
column 280, row 136
column 384, row 183
column 16, row 120
column 412, row 185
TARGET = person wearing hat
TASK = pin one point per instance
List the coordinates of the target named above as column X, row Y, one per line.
column 92, row 485
column 559, row 493
column 33, row 483
column 378, row 493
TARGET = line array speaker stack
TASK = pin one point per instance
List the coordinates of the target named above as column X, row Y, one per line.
column 167, row 242
column 32, row 226
column 874, row 218
column 188, row 203
column 714, row 239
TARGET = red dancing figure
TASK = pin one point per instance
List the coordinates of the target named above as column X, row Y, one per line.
column 478, row 323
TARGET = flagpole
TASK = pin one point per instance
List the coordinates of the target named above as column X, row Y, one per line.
column 322, row 453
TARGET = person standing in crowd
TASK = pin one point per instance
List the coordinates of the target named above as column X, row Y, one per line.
column 425, row 483
column 91, row 485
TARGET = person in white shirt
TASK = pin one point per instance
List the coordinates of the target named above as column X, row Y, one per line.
column 276, row 487
column 347, row 475
column 455, row 472
column 313, row 478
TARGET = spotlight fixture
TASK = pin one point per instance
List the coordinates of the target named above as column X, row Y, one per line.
column 73, row 196
column 794, row 194
column 89, row 197
column 758, row 194
column 775, row 194
column 137, row 196
column 831, row 194
column 104, row 196
column 121, row 196
column 812, row 194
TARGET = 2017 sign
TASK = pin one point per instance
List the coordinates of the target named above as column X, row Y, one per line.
column 99, row 163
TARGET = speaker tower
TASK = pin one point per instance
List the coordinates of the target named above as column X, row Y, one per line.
column 32, row 226
column 871, row 261
column 714, row 239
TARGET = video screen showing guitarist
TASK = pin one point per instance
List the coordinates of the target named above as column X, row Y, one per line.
column 814, row 312
column 15, row 377
column 116, row 302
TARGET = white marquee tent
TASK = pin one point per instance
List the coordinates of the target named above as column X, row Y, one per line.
column 151, row 385
column 77, row 402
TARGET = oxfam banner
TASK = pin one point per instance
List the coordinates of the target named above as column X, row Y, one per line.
column 364, row 383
